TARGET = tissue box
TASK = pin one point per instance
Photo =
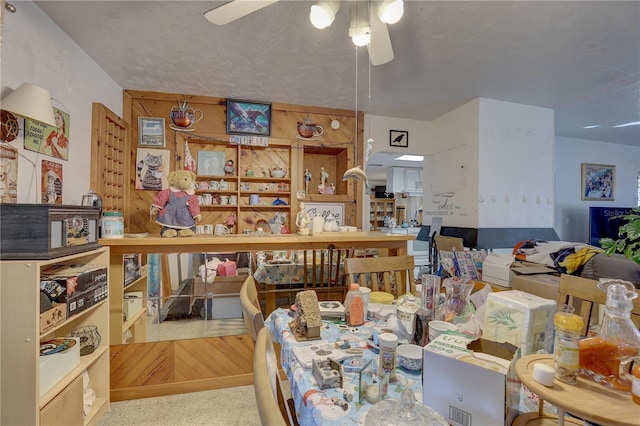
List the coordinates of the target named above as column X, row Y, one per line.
column 465, row 380
column 496, row 269
column 54, row 367
column 522, row 319
column 132, row 303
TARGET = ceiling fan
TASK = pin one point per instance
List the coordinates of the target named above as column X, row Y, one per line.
column 368, row 24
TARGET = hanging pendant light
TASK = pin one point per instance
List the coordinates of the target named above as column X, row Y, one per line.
column 359, row 30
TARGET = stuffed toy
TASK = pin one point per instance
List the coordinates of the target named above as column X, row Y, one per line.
column 177, row 207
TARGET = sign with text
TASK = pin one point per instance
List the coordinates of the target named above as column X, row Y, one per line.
column 325, row 209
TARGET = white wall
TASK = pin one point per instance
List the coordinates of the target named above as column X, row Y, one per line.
column 36, row 50
column 571, row 213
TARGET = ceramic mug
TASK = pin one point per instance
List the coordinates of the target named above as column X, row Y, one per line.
column 208, row 229
column 203, row 185
column 224, row 184
column 207, row 199
column 233, row 200
column 214, row 185
column 254, row 199
column 245, row 187
column 220, row 229
column 437, row 327
column 224, row 199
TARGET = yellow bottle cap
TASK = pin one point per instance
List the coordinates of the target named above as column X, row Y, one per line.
column 567, row 321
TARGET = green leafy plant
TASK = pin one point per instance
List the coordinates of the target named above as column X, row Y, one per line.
column 628, row 242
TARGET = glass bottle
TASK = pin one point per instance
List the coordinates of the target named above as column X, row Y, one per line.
column 457, row 305
column 354, row 306
column 635, row 382
column 566, row 346
column 605, row 358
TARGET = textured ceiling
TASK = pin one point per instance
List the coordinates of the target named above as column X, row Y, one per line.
column 581, row 59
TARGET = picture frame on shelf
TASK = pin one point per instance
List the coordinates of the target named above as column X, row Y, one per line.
column 248, row 117
column 598, row 182
column 211, row 163
column 399, row 138
column 151, row 132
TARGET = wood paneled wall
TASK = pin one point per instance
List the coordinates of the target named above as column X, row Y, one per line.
column 344, row 140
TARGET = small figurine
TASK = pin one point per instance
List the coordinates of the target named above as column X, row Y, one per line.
column 307, row 179
column 323, row 176
column 228, row 167
column 302, row 221
column 231, row 220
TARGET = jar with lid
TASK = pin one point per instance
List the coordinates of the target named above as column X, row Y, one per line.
column 354, row 306
column 606, row 357
column 112, row 225
column 387, row 358
column 566, row 352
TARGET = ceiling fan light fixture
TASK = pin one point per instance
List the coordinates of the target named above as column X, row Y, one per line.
column 361, row 36
column 323, row 13
column 359, row 29
column 390, row 11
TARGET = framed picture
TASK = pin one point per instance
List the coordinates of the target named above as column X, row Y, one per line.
column 211, row 163
column 399, row 138
column 151, row 132
column 49, row 140
column 248, row 118
column 51, row 182
column 152, row 169
column 598, row 182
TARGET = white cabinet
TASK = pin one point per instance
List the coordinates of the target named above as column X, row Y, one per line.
column 405, row 179
column 21, row 402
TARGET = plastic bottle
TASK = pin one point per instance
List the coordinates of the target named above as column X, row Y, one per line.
column 566, row 352
column 354, row 306
column 112, row 225
column 387, row 358
column 635, row 382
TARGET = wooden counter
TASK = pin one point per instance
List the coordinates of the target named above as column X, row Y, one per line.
column 145, row 369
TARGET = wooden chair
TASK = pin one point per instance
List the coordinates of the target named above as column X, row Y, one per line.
column 381, row 273
column 251, row 307
column 274, row 408
column 324, row 272
column 590, row 297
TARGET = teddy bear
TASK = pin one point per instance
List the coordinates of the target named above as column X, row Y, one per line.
column 177, row 207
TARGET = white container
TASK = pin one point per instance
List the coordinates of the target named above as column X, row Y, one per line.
column 112, row 225
column 54, row 367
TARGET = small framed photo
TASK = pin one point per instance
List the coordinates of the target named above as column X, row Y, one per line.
column 151, row 132
column 399, row 138
column 248, row 118
column 598, row 182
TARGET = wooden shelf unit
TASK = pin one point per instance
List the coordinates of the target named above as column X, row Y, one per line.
column 137, row 324
column 20, row 361
column 380, row 207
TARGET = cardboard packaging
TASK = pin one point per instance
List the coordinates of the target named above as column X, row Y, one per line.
column 54, row 367
column 522, row 319
column 465, row 380
column 86, row 285
column 496, row 269
column 52, row 317
column 132, row 264
column 132, row 303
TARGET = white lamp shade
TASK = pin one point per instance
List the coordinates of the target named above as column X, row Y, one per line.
column 390, row 11
column 32, row 102
column 323, row 13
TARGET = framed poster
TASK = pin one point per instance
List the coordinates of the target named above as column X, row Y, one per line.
column 248, row 118
column 211, row 163
column 151, row 132
column 48, row 140
column 51, row 182
column 399, row 138
column 8, row 174
column 152, row 169
column 598, row 182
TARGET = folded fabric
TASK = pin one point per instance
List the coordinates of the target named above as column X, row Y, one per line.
column 574, row 261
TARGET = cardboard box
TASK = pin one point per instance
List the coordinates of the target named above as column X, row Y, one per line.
column 496, row 269
column 522, row 319
column 466, row 380
column 54, row 316
column 132, row 303
column 132, row 265
column 54, row 367
column 86, row 285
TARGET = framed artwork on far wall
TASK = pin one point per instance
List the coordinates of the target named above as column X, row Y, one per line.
column 598, row 182
column 151, row 132
column 399, row 138
column 248, row 118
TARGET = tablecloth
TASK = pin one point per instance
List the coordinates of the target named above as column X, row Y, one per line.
column 329, row 407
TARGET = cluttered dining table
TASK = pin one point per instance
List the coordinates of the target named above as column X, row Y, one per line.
column 357, row 350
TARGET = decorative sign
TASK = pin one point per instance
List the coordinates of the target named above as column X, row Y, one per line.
column 249, row 140
column 325, row 209
column 51, row 182
column 48, row 140
column 8, row 174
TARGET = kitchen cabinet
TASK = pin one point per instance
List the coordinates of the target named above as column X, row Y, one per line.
column 22, row 401
column 406, row 180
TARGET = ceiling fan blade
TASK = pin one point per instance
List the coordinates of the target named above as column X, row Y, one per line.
column 235, row 9
column 380, row 49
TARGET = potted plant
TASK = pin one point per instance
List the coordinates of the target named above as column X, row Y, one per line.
column 628, row 242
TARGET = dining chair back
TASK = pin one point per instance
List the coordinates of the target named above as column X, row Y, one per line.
column 251, row 312
column 324, row 272
column 589, row 297
column 388, row 274
column 273, row 407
